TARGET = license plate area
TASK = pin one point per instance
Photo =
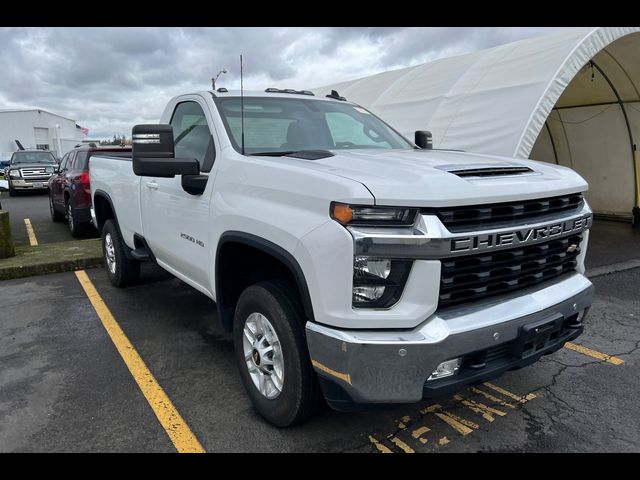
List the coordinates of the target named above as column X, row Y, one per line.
column 38, row 185
column 537, row 336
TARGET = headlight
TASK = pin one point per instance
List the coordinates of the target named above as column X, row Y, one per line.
column 14, row 173
column 366, row 215
column 378, row 283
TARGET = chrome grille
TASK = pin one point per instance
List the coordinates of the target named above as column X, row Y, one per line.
column 34, row 172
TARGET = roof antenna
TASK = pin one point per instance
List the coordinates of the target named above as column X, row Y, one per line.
column 241, row 105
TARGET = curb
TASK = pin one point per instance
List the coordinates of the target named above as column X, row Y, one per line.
column 52, row 258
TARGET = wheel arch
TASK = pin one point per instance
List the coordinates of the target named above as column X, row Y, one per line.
column 226, row 299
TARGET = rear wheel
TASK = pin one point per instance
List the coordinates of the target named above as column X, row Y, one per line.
column 121, row 270
column 272, row 356
column 55, row 215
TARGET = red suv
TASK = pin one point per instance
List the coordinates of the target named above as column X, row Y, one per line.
column 70, row 187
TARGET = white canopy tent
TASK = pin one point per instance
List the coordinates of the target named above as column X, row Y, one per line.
column 570, row 98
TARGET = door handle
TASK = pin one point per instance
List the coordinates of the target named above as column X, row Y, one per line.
column 152, row 185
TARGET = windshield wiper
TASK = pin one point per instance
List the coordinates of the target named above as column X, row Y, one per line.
column 273, row 154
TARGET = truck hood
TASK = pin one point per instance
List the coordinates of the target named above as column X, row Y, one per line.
column 431, row 178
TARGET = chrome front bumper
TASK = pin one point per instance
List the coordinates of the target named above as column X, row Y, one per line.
column 20, row 183
column 393, row 366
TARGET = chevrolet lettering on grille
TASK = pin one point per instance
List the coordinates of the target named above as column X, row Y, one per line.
column 523, row 236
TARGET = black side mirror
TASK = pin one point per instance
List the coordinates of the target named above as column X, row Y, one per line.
column 153, row 153
column 424, row 139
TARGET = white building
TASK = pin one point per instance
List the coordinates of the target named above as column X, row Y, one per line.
column 37, row 128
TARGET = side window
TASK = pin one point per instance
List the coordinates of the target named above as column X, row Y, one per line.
column 63, row 162
column 192, row 136
column 69, row 162
column 80, row 162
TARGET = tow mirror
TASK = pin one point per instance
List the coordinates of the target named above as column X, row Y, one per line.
column 154, row 154
column 424, row 139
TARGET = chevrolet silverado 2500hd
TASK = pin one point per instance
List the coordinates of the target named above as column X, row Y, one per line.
column 347, row 261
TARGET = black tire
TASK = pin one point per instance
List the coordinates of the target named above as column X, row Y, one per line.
column 300, row 397
column 12, row 192
column 76, row 228
column 125, row 271
column 55, row 215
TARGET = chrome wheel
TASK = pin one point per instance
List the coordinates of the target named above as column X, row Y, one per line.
column 109, row 253
column 263, row 355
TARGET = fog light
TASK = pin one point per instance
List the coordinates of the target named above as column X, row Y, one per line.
column 367, row 294
column 446, row 369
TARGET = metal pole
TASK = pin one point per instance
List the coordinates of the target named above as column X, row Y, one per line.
column 636, row 208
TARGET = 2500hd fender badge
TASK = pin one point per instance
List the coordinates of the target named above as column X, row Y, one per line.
column 191, row 239
column 519, row 237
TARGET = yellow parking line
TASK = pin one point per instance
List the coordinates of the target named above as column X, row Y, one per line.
column 179, row 432
column 379, row 445
column 403, row 446
column 521, row 399
column 480, row 408
column 492, row 398
column 592, row 353
column 32, row 235
column 418, row 432
column 454, row 422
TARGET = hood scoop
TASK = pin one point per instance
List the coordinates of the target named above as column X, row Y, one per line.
column 486, row 170
column 311, row 154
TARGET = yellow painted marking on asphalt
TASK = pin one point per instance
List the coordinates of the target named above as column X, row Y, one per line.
column 592, row 353
column 507, row 393
column 179, row 432
column 491, row 397
column 460, row 425
column 342, row 376
column 481, row 409
column 403, row 446
column 32, row 235
column 402, row 424
column 454, row 422
column 443, row 441
column 418, row 432
column 431, row 408
column 379, row 445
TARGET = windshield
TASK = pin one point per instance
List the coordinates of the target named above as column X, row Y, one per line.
column 33, row 157
column 281, row 125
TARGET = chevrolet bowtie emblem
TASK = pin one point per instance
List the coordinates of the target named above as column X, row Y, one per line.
column 572, row 248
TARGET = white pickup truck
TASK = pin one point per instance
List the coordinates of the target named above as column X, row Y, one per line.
column 349, row 262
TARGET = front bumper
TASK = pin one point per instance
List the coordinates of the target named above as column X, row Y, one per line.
column 22, row 184
column 393, row 366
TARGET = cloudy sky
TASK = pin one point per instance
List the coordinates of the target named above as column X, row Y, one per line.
column 110, row 79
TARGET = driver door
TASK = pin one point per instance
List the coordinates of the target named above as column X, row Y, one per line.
column 175, row 223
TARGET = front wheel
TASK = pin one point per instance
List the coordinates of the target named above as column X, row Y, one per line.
column 121, row 270
column 271, row 352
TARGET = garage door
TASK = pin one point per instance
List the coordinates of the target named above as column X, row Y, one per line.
column 42, row 138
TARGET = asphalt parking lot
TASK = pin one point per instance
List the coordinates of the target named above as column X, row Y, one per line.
column 65, row 387
column 34, row 206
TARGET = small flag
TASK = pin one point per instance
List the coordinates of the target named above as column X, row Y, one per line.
column 84, row 130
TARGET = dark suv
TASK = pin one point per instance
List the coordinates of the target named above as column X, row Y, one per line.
column 70, row 187
column 30, row 170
